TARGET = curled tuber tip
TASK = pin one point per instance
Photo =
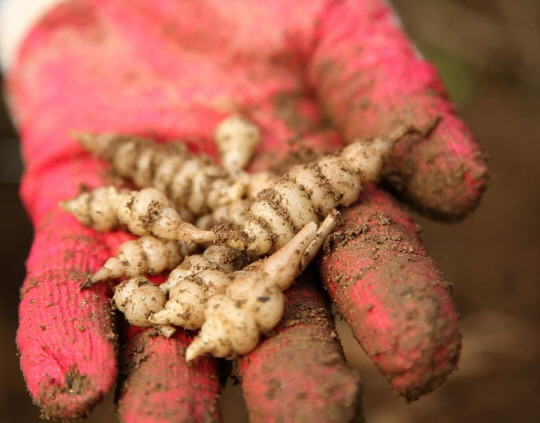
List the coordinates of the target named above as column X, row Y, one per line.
column 73, row 206
column 79, row 135
column 64, row 205
column 285, row 264
column 93, row 208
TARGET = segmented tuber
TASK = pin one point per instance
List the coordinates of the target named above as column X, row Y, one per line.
column 94, row 209
column 308, row 192
column 216, row 257
column 191, row 181
column 236, row 138
column 145, row 255
column 197, row 279
column 143, row 212
column 138, row 298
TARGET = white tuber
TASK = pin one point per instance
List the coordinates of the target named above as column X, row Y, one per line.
column 236, row 138
column 143, row 212
column 138, row 298
column 187, row 299
column 145, row 255
column 93, row 209
column 190, row 181
column 308, row 192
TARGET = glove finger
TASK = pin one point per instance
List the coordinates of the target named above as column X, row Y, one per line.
column 157, row 385
column 65, row 337
column 392, row 295
column 370, row 80
column 299, row 373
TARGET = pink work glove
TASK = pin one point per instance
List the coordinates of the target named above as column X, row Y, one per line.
column 312, row 75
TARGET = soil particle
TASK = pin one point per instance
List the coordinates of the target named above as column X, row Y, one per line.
column 224, row 234
column 75, row 384
column 299, row 312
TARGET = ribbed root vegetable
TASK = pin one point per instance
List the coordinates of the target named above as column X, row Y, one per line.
column 253, row 303
column 94, row 209
column 308, row 192
column 236, row 138
column 191, row 181
column 143, row 212
column 146, row 255
column 200, row 277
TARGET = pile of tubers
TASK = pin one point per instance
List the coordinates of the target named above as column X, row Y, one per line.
column 232, row 241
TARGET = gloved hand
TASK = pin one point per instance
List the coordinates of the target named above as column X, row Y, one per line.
column 311, row 75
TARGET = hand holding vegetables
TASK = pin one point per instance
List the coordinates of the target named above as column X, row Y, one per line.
column 311, row 76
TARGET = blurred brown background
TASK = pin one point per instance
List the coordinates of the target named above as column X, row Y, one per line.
column 488, row 52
